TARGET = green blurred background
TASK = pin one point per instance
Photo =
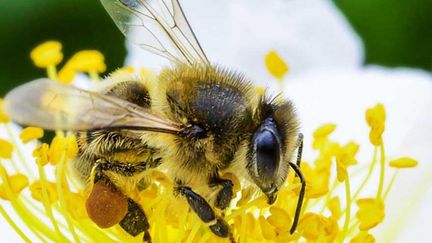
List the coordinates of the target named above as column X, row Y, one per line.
column 395, row 33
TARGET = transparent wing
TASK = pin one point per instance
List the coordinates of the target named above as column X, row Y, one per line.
column 56, row 106
column 161, row 26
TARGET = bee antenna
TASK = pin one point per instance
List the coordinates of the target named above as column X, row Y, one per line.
column 296, row 168
column 300, row 198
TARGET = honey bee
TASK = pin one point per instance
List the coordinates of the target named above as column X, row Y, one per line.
column 194, row 121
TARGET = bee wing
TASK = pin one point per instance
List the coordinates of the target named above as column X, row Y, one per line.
column 56, row 106
column 162, row 25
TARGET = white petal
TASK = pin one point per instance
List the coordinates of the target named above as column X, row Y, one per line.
column 341, row 97
column 307, row 34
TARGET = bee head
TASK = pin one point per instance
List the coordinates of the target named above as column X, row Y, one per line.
column 271, row 147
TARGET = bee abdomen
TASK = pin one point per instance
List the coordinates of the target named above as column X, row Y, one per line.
column 133, row 91
column 120, row 151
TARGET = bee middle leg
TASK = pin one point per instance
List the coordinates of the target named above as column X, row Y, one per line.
column 204, row 211
column 135, row 221
column 224, row 196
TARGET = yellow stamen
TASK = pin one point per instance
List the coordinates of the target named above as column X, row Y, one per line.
column 14, row 226
column 321, row 134
column 71, row 146
column 375, row 118
column 370, row 213
column 267, row 230
column 279, row 218
column 47, row 54
column 345, row 156
column 6, row 149
column 317, row 181
column 365, row 181
column 89, row 61
column 45, row 199
column 348, row 208
column 36, row 191
column 41, row 154
column 16, row 182
column 390, row 185
column 276, row 65
column 363, row 237
column 382, row 171
column 15, row 142
column 31, row 133
column 324, row 130
column 404, row 162
column 315, row 227
column 33, row 223
column 62, row 190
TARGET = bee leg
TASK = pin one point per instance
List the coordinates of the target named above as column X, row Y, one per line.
column 135, row 221
column 204, row 211
column 224, row 196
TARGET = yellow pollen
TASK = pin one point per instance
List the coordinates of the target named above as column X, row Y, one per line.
column 15, row 183
column 370, row 213
column 363, row 237
column 6, row 149
column 31, row 133
column 404, row 162
column 89, row 61
column 317, row 180
column 60, row 146
column 76, row 205
column 324, row 130
column 47, row 54
column 56, row 150
column 321, row 134
column 36, row 191
column 375, row 118
column 41, row 154
column 345, row 156
column 276, row 65
column 71, row 146
column 315, row 227
column 279, row 218
column 267, row 230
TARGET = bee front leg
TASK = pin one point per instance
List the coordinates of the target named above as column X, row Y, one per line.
column 224, row 196
column 204, row 211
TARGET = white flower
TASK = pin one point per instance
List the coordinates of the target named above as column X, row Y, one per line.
column 327, row 82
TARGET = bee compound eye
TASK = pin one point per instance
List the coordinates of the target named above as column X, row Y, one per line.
column 267, row 154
